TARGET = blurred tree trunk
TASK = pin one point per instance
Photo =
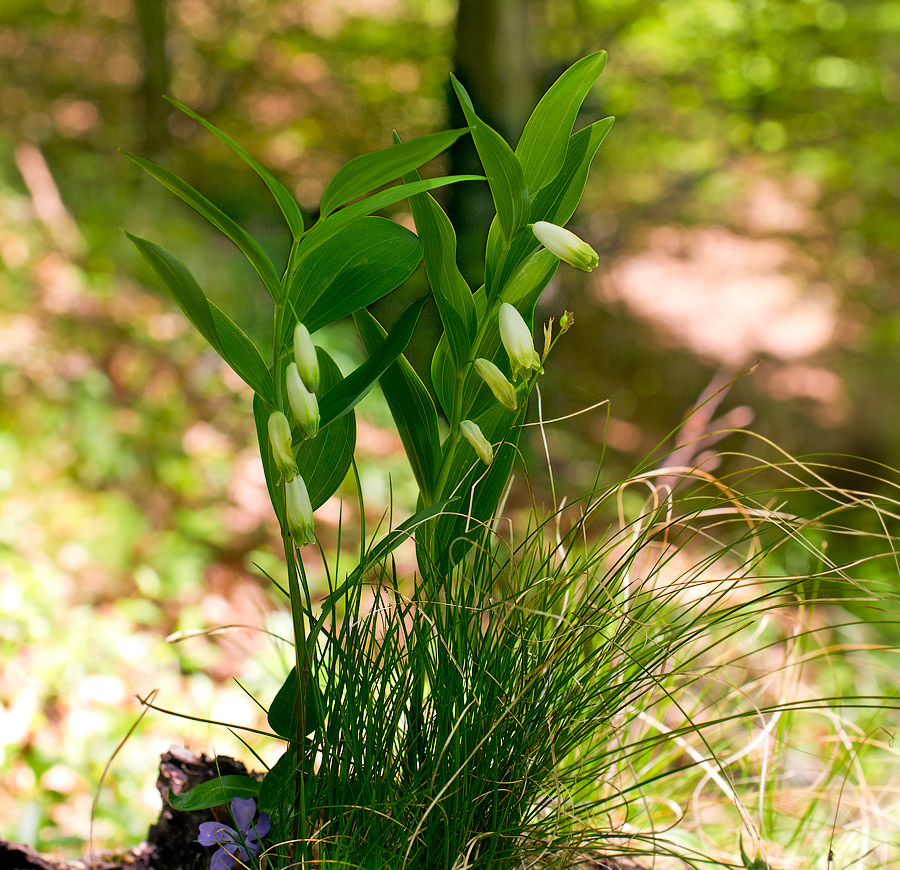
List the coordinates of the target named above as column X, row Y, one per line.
column 152, row 31
column 493, row 61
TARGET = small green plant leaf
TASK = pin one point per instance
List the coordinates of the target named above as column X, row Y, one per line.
column 222, row 333
column 410, row 405
column 326, row 229
column 280, row 193
column 345, row 396
column 451, row 292
column 501, row 166
column 368, row 171
column 353, row 269
column 282, row 716
column 215, row 793
column 247, row 244
column 556, row 203
column 323, row 461
column 542, row 147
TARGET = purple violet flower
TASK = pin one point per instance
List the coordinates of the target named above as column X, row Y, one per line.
column 236, row 844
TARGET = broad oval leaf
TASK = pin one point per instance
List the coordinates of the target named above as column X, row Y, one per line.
column 501, row 167
column 214, row 793
column 282, row 715
column 368, row 171
column 353, row 269
column 557, row 202
column 542, row 147
column 410, row 405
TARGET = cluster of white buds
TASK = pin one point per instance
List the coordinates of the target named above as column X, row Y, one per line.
column 301, row 382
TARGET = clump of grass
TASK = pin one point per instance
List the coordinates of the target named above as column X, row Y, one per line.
column 630, row 677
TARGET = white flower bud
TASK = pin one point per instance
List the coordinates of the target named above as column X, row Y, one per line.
column 306, row 358
column 303, row 402
column 516, row 338
column 280, row 442
column 566, row 245
column 299, row 512
column 473, row 434
column 496, row 380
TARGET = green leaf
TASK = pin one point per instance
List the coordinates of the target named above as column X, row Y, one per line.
column 323, row 461
column 215, row 326
column 542, row 148
column 368, row 171
column 451, row 292
column 248, row 246
column 214, row 793
column 261, row 418
column 354, row 268
column 501, row 166
column 558, row 200
column 345, row 396
column 326, row 229
column 410, row 405
column 282, row 196
column 282, row 716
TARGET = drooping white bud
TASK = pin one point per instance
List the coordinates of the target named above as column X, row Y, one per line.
column 303, row 403
column 280, row 442
column 566, row 245
column 516, row 338
column 504, row 391
column 473, row 434
column 299, row 512
column 306, row 358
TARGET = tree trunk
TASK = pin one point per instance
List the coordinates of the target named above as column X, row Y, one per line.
column 154, row 111
column 493, row 61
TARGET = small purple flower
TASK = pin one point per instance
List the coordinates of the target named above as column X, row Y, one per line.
column 235, row 844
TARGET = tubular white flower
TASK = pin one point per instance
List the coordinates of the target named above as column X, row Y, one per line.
column 299, row 512
column 517, row 340
column 566, row 245
column 306, row 358
column 504, row 391
column 280, row 442
column 473, row 434
column 303, row 402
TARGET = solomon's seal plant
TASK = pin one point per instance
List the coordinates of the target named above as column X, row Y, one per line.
column 476, row 717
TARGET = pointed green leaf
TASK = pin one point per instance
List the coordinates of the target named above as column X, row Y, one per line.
column 410, row 405
column 282, row 715
column 328, row 228
column 354, row 268
column 261, row 418
column 501, row 167
column 280, row 193
column 214, row 793
column 222, row 333
column 345, row 396
column 248, row 246
column 451, row 292
column 559, row 199
column 542, row 148
column 368, row 171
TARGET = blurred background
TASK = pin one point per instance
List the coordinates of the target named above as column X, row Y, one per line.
column 745, row 208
